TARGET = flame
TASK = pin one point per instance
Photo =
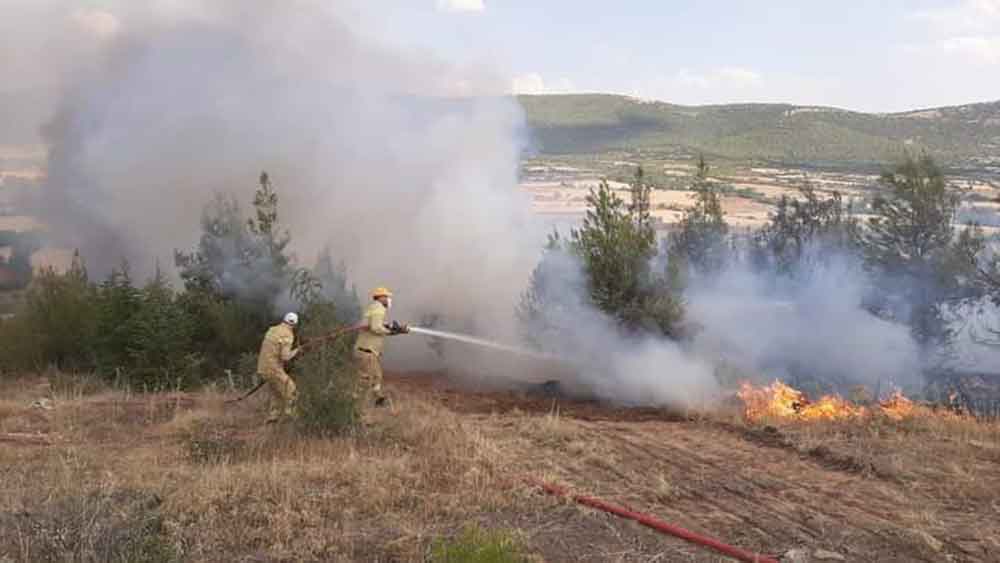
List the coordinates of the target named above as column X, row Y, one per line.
column 781, row 401
column 897, row 407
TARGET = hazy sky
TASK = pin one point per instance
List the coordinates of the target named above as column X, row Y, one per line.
column 873, row 55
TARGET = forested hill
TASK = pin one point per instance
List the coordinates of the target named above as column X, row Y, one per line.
column 589, row 123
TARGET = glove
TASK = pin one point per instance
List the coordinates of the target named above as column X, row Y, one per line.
column 396, row 328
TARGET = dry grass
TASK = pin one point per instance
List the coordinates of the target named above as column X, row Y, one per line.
column 187, row 477
column 943, row 465
column 382, row 493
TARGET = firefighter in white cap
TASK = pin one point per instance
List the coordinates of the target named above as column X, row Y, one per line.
column 275, row 351
column 369, row 346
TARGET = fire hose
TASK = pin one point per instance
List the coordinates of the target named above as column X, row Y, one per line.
column 656, row 524
column 305, row 346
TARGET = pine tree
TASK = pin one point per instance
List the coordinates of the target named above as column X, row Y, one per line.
column 616, row 245
column 118, row 302
column 700, row 237
column 804, row 227
column 911, row 242
column 244, row 261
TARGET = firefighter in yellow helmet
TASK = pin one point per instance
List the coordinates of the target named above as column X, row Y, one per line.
column 275, row 351
column 370, row 344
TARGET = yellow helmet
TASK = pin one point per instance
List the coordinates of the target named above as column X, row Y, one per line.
column 381, row 292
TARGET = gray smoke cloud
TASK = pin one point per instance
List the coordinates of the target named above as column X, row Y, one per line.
column 405, row 165
column 599, row 358
column 812, row 324
column 757, row 326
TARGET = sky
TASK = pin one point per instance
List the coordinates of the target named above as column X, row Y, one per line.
column 871, row 55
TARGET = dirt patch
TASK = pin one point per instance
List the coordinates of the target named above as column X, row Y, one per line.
column 531, row 399
column 771, row 437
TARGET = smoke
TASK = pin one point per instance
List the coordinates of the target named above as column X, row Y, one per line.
column 601, row 360
column 808, row 328
column 405, row 165
column 811, row 325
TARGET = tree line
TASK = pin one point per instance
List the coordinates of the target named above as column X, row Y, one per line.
column 150, row 335
column 921, row 265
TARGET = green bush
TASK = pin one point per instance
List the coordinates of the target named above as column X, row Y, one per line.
column 162, row 346
column 476, row 545
column 55, row 325
column 145, row 336
column 325, row 376
column 222, row 330
column 118, row 302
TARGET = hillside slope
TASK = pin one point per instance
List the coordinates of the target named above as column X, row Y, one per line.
column 97, row 474
column 588, row 123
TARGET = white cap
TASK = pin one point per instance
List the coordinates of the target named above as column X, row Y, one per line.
column 291, row 319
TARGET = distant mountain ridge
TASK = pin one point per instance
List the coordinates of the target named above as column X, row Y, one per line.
column 589, row 123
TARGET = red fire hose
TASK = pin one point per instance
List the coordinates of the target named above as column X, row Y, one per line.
column 656, row 524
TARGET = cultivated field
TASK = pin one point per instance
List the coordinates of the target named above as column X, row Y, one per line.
column 558, row 186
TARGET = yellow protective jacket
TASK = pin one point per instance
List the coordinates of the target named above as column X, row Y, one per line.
column 372, row 337
column 275, row 350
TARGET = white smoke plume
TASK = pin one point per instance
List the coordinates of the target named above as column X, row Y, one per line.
column 405, row 165
column 599, row 358
column 809, row 327
column 812, row 324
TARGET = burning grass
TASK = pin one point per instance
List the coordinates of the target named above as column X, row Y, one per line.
column 778, row 402
column 948, row 457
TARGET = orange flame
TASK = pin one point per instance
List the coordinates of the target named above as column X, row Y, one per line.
column 781, row 401
column 897, row 407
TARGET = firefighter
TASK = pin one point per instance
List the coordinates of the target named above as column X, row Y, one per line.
column 369, row 346
column 275, row 351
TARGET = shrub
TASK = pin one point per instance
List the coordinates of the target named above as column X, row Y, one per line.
column 325, row 376
column 162, row 348
column 55, row 325
column 222, row 330
column 118, row 302
column 145, row 336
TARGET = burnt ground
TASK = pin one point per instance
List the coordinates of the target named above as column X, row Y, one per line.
column 752, row 487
